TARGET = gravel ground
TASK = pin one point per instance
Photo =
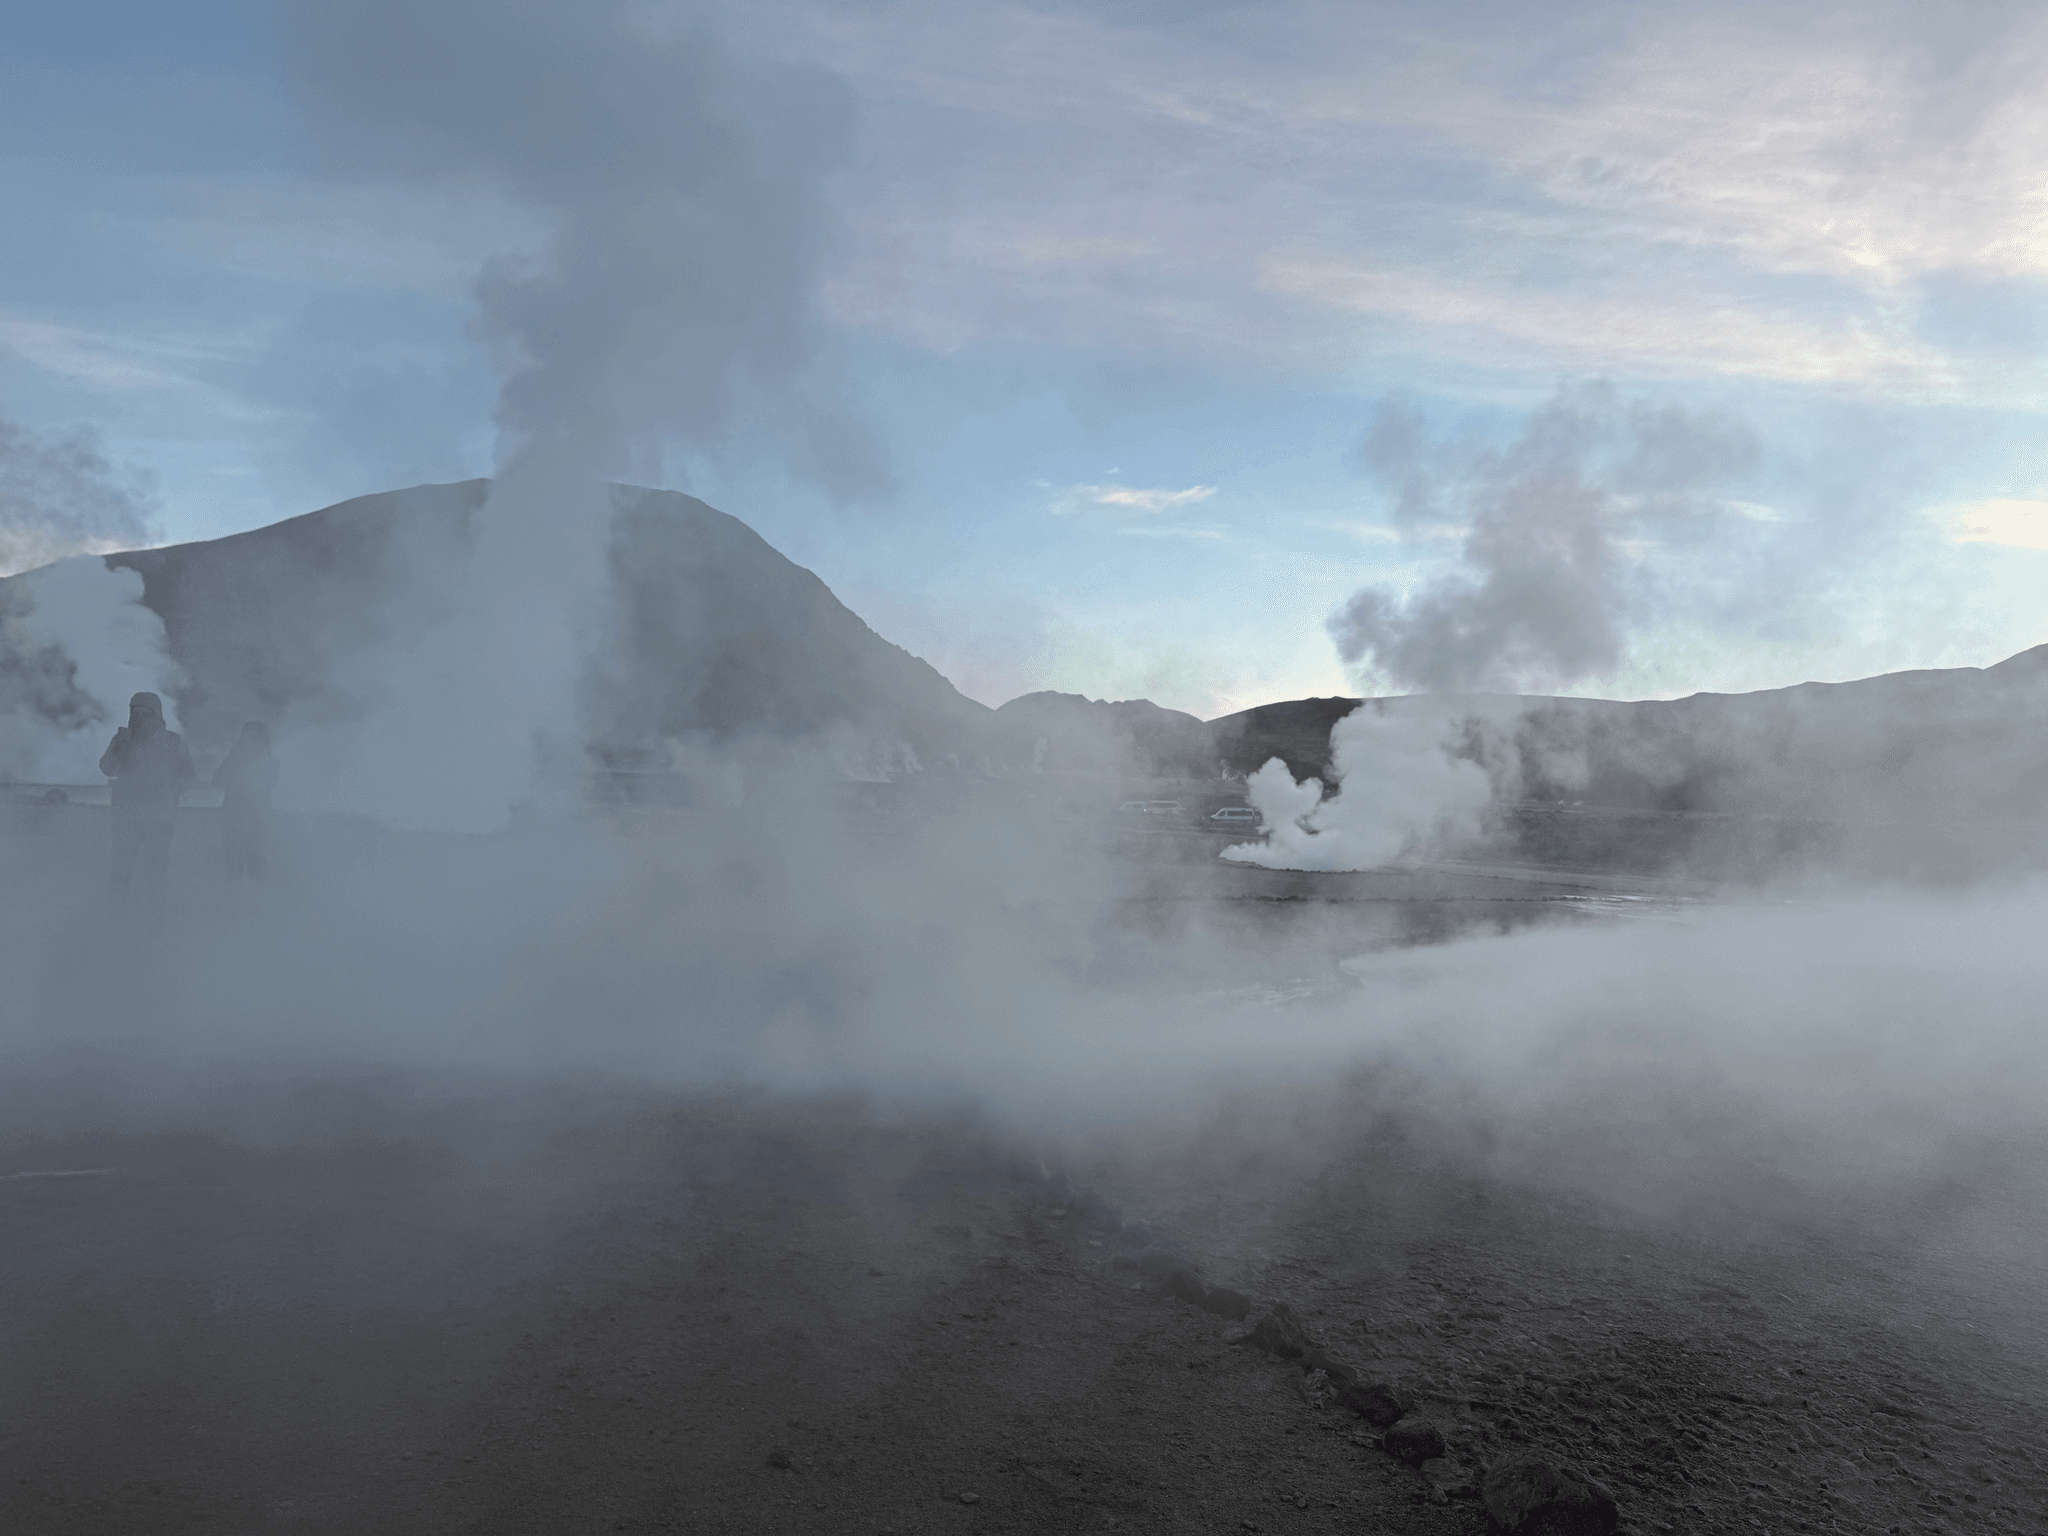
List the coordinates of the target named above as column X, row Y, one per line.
column 743, row 1317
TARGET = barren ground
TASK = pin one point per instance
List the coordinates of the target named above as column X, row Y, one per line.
column 610, row 1316
column 409, row 1311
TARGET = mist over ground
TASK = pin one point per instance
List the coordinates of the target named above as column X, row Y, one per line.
column 1808, row 1073
column 685, row 1064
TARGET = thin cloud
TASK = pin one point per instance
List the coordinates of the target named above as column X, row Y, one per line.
column 2014, row 524
column 1130, row 498
column 1694, row 207
column 1145, row 500
column 1642, row 335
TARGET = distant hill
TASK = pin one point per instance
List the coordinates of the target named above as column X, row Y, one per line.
column 1068, row 733
column 720, row 637
column 1959, row 742
column 1297, row 731
column 1911, row 774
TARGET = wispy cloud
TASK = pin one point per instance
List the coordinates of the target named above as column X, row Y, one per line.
column 1681, row 201
column 1131, row 498
column 120, row 362
column 1642, row 335
column 2015, row 524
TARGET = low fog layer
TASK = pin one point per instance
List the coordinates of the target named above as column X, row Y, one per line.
column 962, row 949
column 769, row 901
column 1737, row 1063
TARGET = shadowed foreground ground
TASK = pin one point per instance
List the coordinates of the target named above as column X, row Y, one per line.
column 618, row 1316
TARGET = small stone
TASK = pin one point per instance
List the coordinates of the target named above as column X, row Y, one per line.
column 1529, row 1494
column 1413, row 1441
column 1279, row 1332
column 970, row 1498
column 1376, row 1402
column 1314, row 1358
column 1450, row 1478
column 1317, row 1389
column 1224, row 1302
column 779, row 1457
column 1184, row 1284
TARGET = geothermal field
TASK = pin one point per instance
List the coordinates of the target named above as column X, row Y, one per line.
column 854, row 1109
column 523, row 1013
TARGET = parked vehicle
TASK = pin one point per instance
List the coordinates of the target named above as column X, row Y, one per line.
column 1236, row 818
column 1158, row 810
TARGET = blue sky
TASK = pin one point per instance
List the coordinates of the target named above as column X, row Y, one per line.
column 1714, row 335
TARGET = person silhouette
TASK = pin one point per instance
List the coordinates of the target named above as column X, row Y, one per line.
column 150, row 767
column 246, row 777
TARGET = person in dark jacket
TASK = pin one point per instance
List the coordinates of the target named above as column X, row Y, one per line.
column 150, row 769
column 246, row 777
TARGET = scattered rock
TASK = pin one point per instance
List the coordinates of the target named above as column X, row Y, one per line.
column 779, row 1457
column 1279, row 1332
column 1317, row 1390
column 1234, row 1305
column 1313, row 1359
column 1529, row 1495
column 1452, row 1479
column 1413, row 1440
column 1184, row 1284
column 970, row 1498
column 1375, row 1401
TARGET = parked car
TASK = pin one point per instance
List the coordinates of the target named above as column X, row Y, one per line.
column 1236, row 818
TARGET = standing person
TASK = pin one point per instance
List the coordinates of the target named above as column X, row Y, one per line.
column 246, row 777
column 150, row 769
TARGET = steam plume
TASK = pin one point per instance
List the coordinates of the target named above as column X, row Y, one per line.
column 60, row 495
column 1402, row 787
column 1549, row 585
column 75, row 643
column 683, row 185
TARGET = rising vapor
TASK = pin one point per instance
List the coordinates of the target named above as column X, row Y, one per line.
column 1550, row 580
column 61, row 495
column 682, row 184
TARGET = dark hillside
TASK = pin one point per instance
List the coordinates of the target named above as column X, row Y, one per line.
column 1067, row 733
column 720, row 636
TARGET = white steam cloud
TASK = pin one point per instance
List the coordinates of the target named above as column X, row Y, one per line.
column 1400, row 788
column 684, row 187
column 75, row 643
column 1549, row 585
column 61, row 495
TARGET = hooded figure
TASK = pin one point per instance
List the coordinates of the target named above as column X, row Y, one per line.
column 246, row 777
column 150, row 769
